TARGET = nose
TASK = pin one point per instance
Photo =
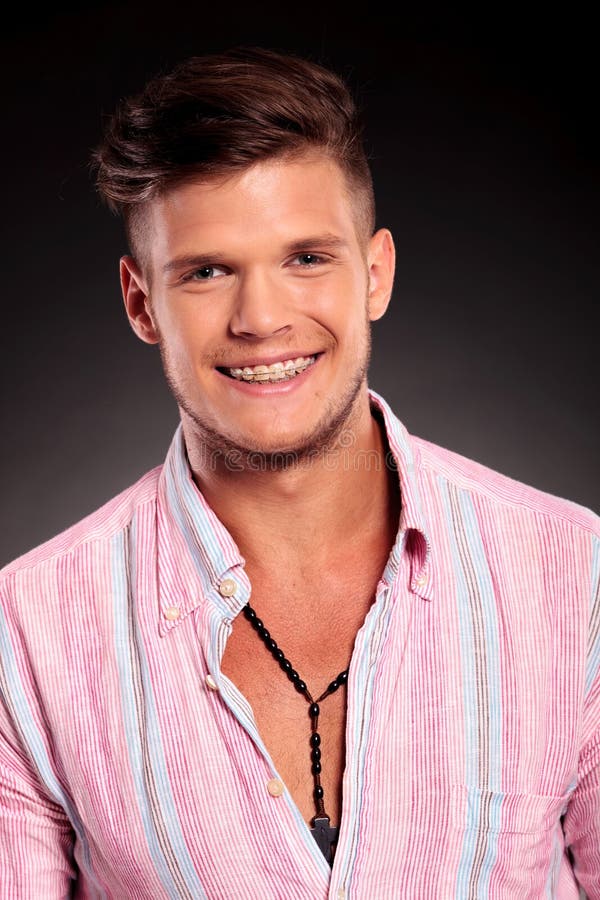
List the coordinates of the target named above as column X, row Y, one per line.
column 260, row 308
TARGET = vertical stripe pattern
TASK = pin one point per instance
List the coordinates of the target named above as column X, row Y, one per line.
column 130, row 766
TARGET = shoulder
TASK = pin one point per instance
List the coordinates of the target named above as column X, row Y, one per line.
column 100, row 527
column 499, row 492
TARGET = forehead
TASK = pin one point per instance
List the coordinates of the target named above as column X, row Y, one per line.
column 270, row 203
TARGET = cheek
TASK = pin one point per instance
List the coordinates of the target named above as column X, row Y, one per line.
column 180, row 353
column 339, row 304
column 185, row 329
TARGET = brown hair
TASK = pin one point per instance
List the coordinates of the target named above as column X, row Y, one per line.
column 213, row 115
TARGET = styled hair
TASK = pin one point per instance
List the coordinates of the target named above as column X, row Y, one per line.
column 215, row 115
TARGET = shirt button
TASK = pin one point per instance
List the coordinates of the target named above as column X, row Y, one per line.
column 211, row 683
column 228, row 587
column 341, row 893
column 172, row 613
column 275, row 787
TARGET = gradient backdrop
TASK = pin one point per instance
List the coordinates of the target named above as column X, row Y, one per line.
column 483, row 135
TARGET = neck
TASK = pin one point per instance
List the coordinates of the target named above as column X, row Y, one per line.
column 307, row 511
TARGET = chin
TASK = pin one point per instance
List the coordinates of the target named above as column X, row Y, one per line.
column 281, row 453
column 298, row 445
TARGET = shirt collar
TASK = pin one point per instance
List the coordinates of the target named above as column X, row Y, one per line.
column 198, row 558
column 413, row 532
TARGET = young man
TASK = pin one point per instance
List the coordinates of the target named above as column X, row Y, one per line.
column 311, row 656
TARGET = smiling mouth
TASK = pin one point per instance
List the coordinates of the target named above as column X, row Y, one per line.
column 279, row 371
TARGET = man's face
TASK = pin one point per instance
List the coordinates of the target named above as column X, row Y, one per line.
column 259, row 289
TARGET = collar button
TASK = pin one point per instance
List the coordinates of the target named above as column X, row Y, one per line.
column 228, row 587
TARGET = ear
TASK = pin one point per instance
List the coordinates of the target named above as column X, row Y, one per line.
column 137, row 301
column 381, row 260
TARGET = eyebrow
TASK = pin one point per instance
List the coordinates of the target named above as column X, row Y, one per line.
column 326, row 241
column 193, row 260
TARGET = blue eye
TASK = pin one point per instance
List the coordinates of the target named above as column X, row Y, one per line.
column 204, row 273
column 308, row 259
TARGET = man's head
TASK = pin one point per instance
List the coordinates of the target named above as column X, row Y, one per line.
column 217, row 115
column 248, row 202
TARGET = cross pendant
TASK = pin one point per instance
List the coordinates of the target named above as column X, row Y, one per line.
column 325, row 835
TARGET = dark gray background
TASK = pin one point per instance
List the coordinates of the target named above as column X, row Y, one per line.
column 483, row 137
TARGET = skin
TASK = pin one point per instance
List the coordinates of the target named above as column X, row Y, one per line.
column 278, row 265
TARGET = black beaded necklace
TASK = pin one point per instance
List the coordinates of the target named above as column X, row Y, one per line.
column 323, row 832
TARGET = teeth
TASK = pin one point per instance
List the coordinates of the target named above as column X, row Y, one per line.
column 261, row 373
column 279, row 371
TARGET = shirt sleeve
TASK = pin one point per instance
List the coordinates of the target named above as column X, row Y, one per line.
column 582, row 820
column 36, row 838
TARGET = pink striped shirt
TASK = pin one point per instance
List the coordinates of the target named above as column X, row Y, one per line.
column 130, row 767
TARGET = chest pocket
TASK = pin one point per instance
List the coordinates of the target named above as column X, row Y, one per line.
column 511, row 843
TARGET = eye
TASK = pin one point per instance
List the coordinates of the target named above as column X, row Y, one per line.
column 307, row 260
column 205, row 273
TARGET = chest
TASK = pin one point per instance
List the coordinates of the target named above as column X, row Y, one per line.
column 421, row 737
column 315, row 627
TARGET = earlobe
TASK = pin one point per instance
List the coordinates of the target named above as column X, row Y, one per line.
column 381, row 261
column 137, row 301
